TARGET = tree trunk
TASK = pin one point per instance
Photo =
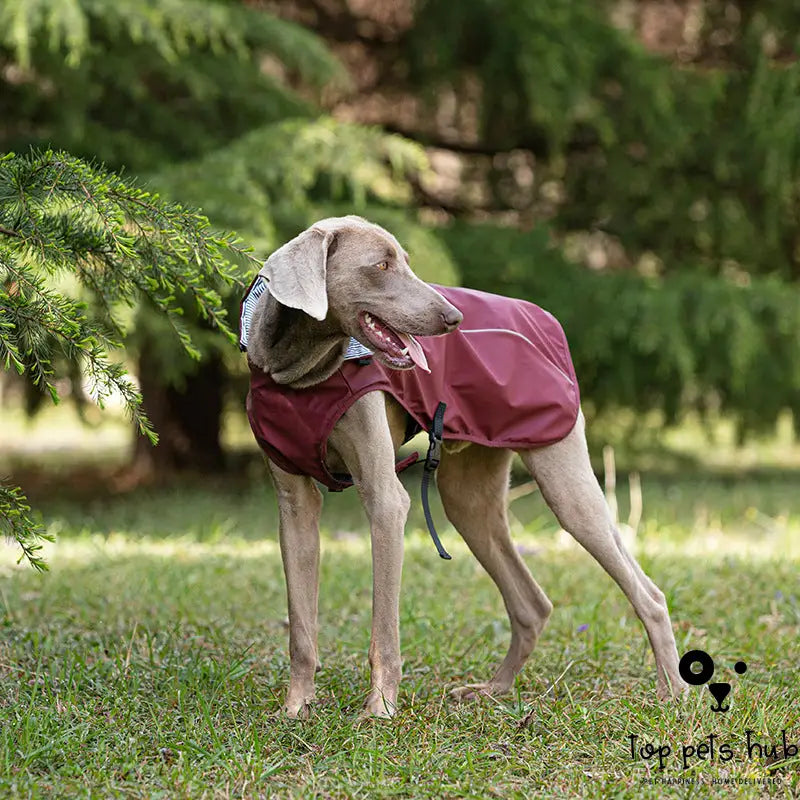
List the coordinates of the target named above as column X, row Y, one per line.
column 187, row 418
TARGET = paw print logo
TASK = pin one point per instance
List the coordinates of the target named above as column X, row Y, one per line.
column 703, row 672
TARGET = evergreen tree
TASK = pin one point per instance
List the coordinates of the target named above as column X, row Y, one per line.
column 671, row 170
column 693, row 162
column 139, row 84
column 215, row 104
column 109, row 243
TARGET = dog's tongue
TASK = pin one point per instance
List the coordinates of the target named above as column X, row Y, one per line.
column 414, row 350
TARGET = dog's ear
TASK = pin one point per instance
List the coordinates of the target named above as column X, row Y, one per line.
column 297, row 272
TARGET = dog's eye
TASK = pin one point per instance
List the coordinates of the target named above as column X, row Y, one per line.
column 384, row 265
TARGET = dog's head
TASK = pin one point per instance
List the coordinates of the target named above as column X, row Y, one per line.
column 356, row 274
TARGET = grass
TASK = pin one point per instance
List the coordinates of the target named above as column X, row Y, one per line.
column 151, row 660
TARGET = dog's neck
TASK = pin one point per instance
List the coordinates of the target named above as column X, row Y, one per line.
column 292, row 347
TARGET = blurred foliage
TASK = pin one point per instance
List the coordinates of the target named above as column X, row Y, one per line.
column 697, row 162
column 136, row 83
column 216, row 103
column 268, row 182
column 666, row 344
column 541, row 68
column 688, row 163
column 60, row 217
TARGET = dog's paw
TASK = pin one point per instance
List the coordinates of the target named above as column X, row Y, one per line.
column 473, row 691
column 378, row 706
column 676, row 690
column 298, row 707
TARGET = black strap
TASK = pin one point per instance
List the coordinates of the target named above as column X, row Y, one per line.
column 431, row 463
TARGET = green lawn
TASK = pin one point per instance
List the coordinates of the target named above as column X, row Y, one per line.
column 152, row 659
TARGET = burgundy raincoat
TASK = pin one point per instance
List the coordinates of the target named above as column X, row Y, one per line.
column 505, row 374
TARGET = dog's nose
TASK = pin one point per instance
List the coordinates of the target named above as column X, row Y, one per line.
column 452, row 318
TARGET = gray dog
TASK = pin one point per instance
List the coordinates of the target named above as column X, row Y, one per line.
column 346, row 279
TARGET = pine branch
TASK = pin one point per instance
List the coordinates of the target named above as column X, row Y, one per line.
column 17, row 523
column 123, row 244
column 170, row 30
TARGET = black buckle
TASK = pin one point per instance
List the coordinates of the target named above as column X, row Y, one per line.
column 435, row 438
column 434, row 455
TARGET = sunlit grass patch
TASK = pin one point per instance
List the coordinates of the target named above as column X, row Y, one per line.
column 152, row 659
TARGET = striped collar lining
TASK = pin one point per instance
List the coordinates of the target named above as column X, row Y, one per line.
column 260, row 285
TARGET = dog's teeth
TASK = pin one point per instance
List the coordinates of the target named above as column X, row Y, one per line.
column 404, row 351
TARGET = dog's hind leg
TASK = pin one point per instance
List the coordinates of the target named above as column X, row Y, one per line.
column 566, row 480
column 299, row 506
column 473, row 485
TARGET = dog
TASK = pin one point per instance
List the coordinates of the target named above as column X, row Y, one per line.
column 344, row 283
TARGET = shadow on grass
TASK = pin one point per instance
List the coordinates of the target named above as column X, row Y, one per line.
column 756, row 504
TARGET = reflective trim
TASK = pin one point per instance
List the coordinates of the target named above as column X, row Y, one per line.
column 524, row 338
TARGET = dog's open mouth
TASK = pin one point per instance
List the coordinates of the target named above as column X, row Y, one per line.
column 398, row 350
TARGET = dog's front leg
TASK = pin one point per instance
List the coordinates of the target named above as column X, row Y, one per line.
column 362, row 440
column 386, row 504
column 299, row 506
